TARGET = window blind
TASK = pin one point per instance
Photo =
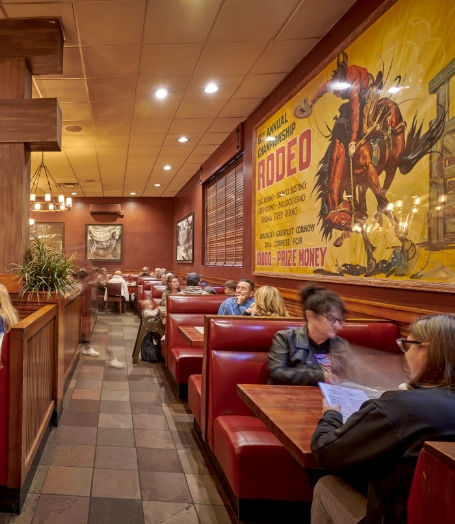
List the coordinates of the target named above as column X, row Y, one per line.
column 224, row 216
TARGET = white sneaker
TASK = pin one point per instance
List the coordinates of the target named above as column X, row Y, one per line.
column 116, row 364
column 91, row 352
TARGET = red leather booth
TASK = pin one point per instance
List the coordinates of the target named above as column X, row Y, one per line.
column 182, row 359
column 144, row 286
column 4, row 408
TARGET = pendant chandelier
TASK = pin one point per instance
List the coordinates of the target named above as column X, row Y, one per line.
column 51, row 201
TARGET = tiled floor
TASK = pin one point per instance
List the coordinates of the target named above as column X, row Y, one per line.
column 124, row 452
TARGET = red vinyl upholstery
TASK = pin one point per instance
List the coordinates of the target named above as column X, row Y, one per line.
column 219, row 290
column 194, row 396
column 375, row 335
column 144, row 286
column 415, row 500
column 186, row 310
column 4, row 408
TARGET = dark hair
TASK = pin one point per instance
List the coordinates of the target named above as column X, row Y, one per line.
column 209, row 289
column 192, row 279
column 250, row 282
column 96, row 269
column 319, row 300
column 231, row 284
column 439, row 368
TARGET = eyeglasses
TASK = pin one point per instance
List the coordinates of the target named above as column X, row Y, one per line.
column 402, row 344
column 331, row 320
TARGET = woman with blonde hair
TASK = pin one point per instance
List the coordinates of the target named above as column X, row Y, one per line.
column 8, row 315
column 268, row 302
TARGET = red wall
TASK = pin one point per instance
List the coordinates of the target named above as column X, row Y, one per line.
column 147, row 230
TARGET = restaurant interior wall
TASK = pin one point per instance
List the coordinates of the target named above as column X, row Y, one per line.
column 190, row 198
column 147, row 230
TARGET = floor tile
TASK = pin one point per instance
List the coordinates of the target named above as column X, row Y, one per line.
column 68, row 481
column 114, row 377
column 111, row 420
column 88, row 384
column 112, row 457
column 139, row 408
column 87, row 394
column 143, row 385
column 193, row 462
column 84, row 375
column 169, row 512
column 166, row 487
column 209, row 514
column 115, row 437
column 203, row 489
column 116, row 484
column 145, row 396
column 115, row 406
column 80, row 418
column 28, row 509
column 90, row 406
column 47, row 455
column 61, row 509
column 77, row 455
column 165, row 460
column 123, row 396
column 153, row 439
column 38, row 480
column 115, row 385
column 76, row 435
column 152, row 422
column 184, row 440
column 115, row 511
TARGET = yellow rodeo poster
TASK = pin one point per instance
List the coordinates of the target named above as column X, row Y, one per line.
column 355, row 175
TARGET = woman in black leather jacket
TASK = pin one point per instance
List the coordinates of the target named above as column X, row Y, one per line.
column 312, row 353
column 378, row 446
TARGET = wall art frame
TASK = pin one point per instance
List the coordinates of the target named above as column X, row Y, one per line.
column 51, row 233
column 185, row 239
column 104, row 243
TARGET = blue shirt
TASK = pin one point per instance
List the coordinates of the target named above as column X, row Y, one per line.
column 2, row 326
column 230, row 306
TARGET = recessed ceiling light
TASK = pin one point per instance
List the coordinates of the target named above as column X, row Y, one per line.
column 161, row 93
column 132, row 193
column 183, row 139
column 211, row 88
column 167, row 168
column 157, row 185
column 74, row 193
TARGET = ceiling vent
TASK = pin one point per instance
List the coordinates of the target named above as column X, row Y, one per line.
column 106, row 209
column 68, row 185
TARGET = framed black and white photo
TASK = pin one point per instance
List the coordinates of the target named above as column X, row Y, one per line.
column 185, row 239
column 52, row 234
column 104, row 243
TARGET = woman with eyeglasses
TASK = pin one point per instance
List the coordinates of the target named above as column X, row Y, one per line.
column 378, row 446
column 313, row 352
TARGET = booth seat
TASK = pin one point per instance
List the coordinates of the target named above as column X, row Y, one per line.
column 143, row 287
column 219, row 290
column 183, row 360
column 194, row 399
column 4, row 408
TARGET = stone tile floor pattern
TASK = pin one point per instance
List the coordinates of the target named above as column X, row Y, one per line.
column 124, row 452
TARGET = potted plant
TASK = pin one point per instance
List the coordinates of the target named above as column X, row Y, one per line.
column 45, row 270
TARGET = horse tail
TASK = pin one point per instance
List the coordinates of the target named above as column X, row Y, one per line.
column 418, row 146
column 322, row 187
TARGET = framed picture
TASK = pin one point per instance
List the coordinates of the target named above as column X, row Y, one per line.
column 104, row 243
column 51, row 233
column 185, row 239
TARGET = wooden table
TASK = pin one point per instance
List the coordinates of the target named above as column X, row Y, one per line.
column 290, row 412
column 194, row 337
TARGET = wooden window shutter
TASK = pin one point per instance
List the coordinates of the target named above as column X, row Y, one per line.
column 224, row 216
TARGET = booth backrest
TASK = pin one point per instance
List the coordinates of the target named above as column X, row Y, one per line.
column 141, row 280
column 4, row 408
column 219, row 289
column 378, row 335
column 236, row 352
column 157, row 290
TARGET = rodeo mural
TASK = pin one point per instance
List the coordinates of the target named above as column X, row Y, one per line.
column 355, row 175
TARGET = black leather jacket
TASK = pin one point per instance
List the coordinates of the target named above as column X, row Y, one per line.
column 292, row 360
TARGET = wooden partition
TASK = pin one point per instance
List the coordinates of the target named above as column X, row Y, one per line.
column 32, row 362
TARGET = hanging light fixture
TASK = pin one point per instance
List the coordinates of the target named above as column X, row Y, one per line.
column 51, row 201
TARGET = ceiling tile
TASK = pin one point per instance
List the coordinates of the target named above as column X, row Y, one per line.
column 138, row 171
column 141, row 161
column 198, row 159
column 142, row 126
column 82, row 163
column 108, row 161
column 78, row 111
column 190, row 125
column 147, row 140
column 179, row 150
column 112, row 151
column 111, row 90
column 111, row 61
column 65, row 10
column 258, row 85
column 170, row 60
column 227, row 125
column 80, row 151
column 155, row 109
column 282, row 57
column 111, row 110
column 72, row 64
column 204, row 150
column 229, row 59
column 213, row 138
column 172, row 139
column 226, row 87
column 144, row 150
column 200, row 108
column 180, row 22
column 240, row 107
column 111, row 23
column 111, row 140
column 238, row 18
column 86, row 126
column 115, row 127
column 175, row 87
column 314, row 18
column 64, row 90
column 76, row 141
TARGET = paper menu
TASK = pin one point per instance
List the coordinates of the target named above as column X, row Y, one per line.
column 200, row 329
column 348, row 399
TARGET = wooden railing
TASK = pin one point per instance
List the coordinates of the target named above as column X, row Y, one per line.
column 32, row 360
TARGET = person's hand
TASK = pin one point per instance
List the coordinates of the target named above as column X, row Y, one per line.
column 251, row 309
column 241, row 299
column 330, row 378
column 327, row 407
column 352, row 148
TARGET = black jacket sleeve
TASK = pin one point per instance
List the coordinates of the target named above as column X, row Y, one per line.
column 284, row 371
